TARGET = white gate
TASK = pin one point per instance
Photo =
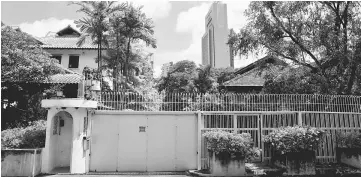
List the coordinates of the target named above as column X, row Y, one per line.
column 138, row 142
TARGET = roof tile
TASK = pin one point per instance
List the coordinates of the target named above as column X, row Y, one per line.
column 66, row 43
column 65, row 79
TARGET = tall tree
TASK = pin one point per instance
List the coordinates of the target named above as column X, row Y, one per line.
column 24, row 67
column 206, row 82
column 322, row 36
column 135, row 27
column 96, row 23
column 180, row 78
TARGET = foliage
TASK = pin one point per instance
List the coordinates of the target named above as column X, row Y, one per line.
column 293, row 81
column 180, row 78
column 52, row 90
column 238, row 145
column 224, row 74
column 351, row 139
column 23, row 60
column 295, row 139
column 205, row 82
column 32, row 136
column 324, row 37
column 129, row 27
column 185, row 77
column 91, row 74
column 25, row 66
column 96, row 23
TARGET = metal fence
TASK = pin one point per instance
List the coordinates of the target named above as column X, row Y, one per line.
column 261, row 124
column 227, row 102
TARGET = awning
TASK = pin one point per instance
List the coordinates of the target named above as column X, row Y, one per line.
column 65, row 79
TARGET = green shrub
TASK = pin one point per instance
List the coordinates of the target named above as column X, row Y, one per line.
column 295, row 139
column 32, row 136
column 236, row 145
column 351, row 139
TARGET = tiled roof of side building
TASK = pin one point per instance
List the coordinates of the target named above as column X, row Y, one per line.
column 65, row 79
column 53, row 42
column 251, row 78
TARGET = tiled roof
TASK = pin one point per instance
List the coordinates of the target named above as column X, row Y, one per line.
column 65, row 43
column 251, row 78
column 65, row 79
column 260, row 62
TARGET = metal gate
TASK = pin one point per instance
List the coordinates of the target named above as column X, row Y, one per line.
column 141, row 142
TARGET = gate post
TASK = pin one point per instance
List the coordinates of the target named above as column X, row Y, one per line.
column 299, row 118
column 199, row 134
column 235, row 123
column 260, row 135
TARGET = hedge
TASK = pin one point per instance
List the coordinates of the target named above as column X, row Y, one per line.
column 32, row 136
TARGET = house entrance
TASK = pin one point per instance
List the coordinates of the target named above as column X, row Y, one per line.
column 62, row 133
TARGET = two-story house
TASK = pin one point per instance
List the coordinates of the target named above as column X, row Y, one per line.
column 62, row 45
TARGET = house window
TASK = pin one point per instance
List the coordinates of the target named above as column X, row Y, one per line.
column 73, row 61
column 57, row 57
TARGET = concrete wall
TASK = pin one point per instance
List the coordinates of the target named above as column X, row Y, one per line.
column 20, row 162
column 168, row 142
column 86, row 57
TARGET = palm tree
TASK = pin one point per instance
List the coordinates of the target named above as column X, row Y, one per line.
column 96, row 23
column 135, row 27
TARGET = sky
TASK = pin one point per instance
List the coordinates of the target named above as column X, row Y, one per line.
column 179, row 25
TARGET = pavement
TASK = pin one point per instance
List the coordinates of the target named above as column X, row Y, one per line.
column 122, row 174
column 81, row 175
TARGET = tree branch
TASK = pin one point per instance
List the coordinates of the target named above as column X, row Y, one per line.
column 294, row 39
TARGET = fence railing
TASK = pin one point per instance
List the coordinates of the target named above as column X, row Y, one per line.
column 261, row 124
column 227, row 102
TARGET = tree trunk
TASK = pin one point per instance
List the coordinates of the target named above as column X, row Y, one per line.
column 100, row 61
column 126, row 74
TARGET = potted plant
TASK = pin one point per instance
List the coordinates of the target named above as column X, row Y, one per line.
column 96, row 80
column 87, row 72
column 293, row 148
column 55, row 91
column 348, row 149
column 228, row 152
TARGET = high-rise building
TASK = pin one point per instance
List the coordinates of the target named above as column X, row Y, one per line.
column 165, row 68
column 215, row 50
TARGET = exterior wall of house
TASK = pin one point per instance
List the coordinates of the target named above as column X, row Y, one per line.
column 86, row 57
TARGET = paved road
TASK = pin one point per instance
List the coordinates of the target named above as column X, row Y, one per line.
column 114, row 175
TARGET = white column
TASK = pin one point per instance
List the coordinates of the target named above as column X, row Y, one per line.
column 47, row 157
column 235, row 123
column 199, row 132
column 299, row 118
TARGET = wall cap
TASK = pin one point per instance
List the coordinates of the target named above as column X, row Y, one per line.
column 69, row 103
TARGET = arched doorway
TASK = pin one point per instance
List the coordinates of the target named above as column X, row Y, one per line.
column 62, row 140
